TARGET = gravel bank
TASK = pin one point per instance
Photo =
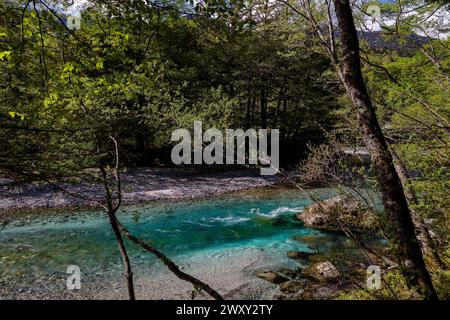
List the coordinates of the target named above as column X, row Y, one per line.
column 141, row 185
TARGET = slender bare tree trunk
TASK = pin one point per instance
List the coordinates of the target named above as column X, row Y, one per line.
column 264, row 97
column 111, row 209
column 402, row 230
column 123, row 252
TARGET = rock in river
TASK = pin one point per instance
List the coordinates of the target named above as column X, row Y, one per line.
column 272, row 277
column 292, row 286
column 299, row 255
column 332, row 214
column 323, row 271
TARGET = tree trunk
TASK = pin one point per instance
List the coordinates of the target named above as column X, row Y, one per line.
column 123, row 253
column 423, row 235
column 264, row 93
column 111, row 210
column 402, row 232
column 249, row 104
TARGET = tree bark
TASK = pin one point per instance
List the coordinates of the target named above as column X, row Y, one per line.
column 402, row 232
column 264, row 94
column 423, row 235
column 249, row 104
column 111, row 210
column 123, row 252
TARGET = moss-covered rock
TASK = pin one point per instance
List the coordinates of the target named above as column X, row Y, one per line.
column 335, row 213
column 323, row 271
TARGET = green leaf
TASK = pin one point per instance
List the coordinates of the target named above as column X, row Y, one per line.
column 16, row 114
column 99, row 65
column 5, row 55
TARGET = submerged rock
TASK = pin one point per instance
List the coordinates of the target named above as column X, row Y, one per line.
column 317, row 243
column 289, row 272
column 272, row 277
column 292, row 286
column 299, row 255
column 332, row 214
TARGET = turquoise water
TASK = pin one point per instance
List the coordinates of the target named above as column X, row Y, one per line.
column 48, row 243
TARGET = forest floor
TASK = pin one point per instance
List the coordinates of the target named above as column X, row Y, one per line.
column 140, row 185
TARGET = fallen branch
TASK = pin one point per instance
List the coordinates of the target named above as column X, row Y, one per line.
column 170, row 264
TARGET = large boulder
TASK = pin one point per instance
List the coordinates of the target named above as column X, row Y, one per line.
column 334, row 213
column 323, row 271
column 326, row 270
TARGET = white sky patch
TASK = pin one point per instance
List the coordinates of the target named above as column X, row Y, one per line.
column 69, row 8
column 76, row 8
column 435, row 24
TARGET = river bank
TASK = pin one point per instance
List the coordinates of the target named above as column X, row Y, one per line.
column 141, row 185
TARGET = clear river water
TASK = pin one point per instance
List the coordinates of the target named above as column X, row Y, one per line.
column 217, row 232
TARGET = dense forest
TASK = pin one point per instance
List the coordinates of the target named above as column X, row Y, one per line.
column 86, row 93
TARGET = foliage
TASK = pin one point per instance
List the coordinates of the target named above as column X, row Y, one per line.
column 137, row 72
